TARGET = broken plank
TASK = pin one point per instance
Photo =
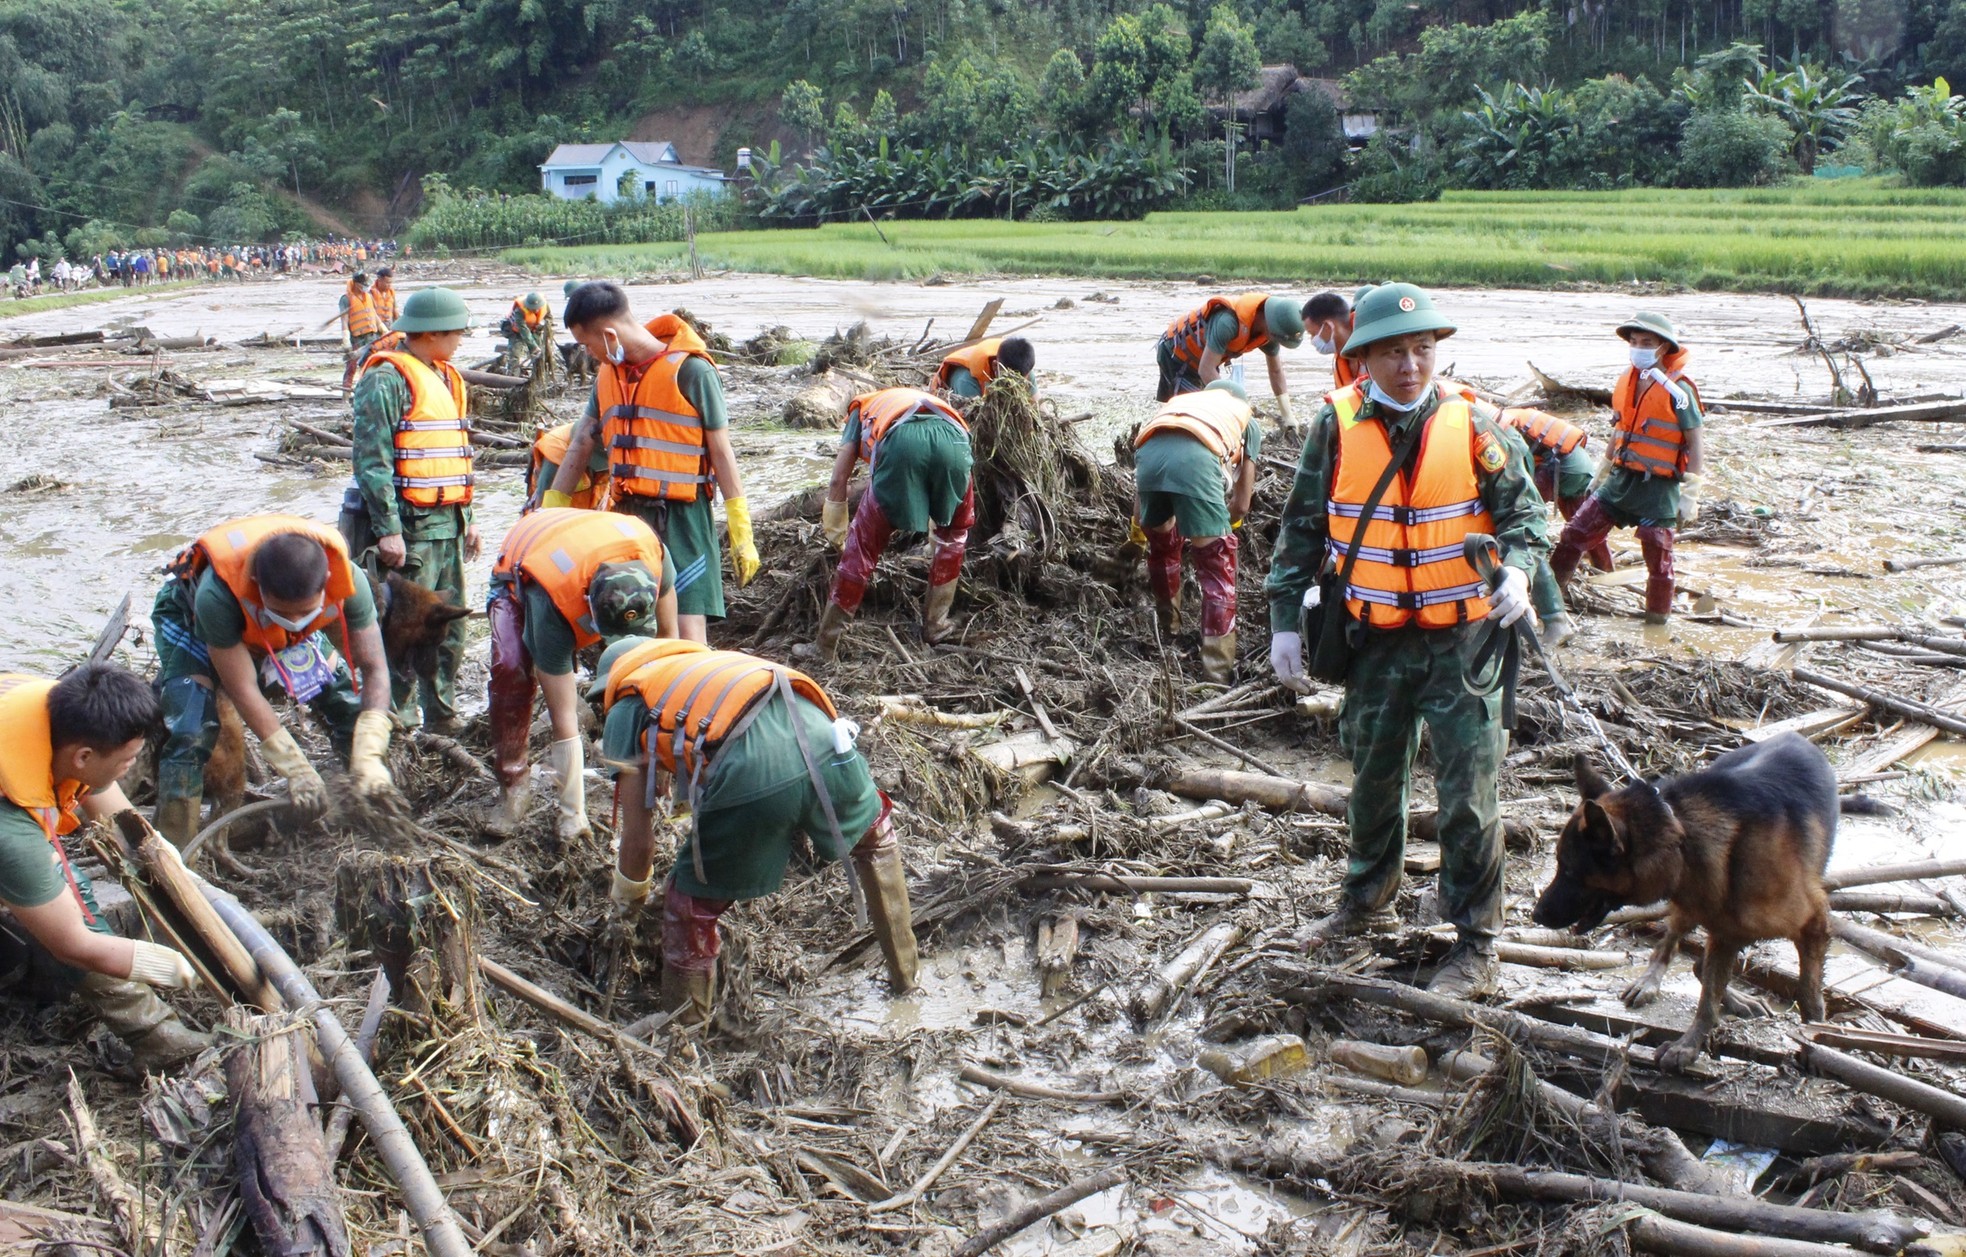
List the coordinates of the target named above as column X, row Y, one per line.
column 1887, row 1044
column 1854, row 982
column 1813, row 725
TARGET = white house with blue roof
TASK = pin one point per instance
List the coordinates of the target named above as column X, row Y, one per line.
column 575, row 172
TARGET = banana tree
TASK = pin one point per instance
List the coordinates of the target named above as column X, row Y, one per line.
column 1817, row 103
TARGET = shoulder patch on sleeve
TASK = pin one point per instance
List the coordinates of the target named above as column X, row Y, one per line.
column 1489, row 452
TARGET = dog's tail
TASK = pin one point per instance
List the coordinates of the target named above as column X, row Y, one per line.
column 1864, row 805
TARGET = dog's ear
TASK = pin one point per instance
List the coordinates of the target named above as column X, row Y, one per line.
column 1603, row 829
column 445, row 613
column 1589, row 784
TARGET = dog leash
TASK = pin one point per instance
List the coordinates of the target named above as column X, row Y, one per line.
column 1481, row 552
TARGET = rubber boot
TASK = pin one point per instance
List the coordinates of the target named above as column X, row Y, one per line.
column 1164, row 548
column 570, row 772
column 936, row 625
column 509, row 812
column 832, row 626
column 1656, row 544
column 133, row 1012
column 689, row 955
column 177, row 819
column 1215, row 572
column 877, row 864
column 1585, row 532
column 1218, row 658
column 1599, row 554
column 951, row 541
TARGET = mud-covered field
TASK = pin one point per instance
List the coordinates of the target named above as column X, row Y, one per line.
column 805, row 1118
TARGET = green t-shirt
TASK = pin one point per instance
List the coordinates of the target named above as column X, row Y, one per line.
column 219, row 620
column 700, row 386
column 29, row 875
column 1635, row 498
column 766, row 759
column 962, row 383
column 1224, row 326
column 548, row 637
column 1174, row 462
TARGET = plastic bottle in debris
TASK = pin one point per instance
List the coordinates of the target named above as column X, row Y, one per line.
column 1271, row 1056
column 1402, row 1065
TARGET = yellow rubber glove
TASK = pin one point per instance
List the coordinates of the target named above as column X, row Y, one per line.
column 1134, row 534
column 304, row 786
column 832, row 521
column 553, row 497
column 1235, row 525
column 368, row 769
column 743, row 550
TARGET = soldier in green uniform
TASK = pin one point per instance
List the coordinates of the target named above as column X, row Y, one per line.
column 64, row 745
column 1408, row 608
column 784, row 764
column 415, row 484
column 527, row 328
column 1199, row 346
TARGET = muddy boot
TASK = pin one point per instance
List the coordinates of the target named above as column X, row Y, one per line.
column 177, row 819
column 1349, row 921
column 877, row 863
column 690, row 993
column 1557, row 629
column 505, row 816
column 937, row 627
column 1218, row 658
column 689, row 955
column 825, row 647
column 570, row 771
column 1164, row 547
column 1470, row 971
column 132, row 1010
column 1167, row 617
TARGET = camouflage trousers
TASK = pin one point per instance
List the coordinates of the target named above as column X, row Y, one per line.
column 436, row 564
column 1399, row 679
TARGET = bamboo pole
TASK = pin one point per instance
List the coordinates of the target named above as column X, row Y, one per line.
column 1922, row 712
column 1185, row 969
column 1040, row 1209
column 1942, row 1106
column 1877, row 874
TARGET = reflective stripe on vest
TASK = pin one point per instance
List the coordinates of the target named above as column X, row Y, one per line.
column 362, row 317
column 1189, row 333
column 1215, row 417
column 1646, row 437
column 980, row 360
column 1410, row 568
column 560, row 549
column 433, row 447
column 653, row 434
column 886, row 409
column 228, row 551
column 1544, row 430
column 697, row 697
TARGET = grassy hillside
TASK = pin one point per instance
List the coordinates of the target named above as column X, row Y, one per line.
column 1848, row 238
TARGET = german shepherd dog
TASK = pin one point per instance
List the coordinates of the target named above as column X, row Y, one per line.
column 1738, row 848
column 414, row 621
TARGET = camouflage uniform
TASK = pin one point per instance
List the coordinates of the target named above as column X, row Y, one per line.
column 433, row 541
column 1404, row 676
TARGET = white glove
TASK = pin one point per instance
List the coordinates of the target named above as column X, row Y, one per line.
column 304, row 785
column 1287, row 660
column 1510, row 600
column 628, row 893
column 1664, row 381
column 368, row 766
column 160, row 966
column 1689, row 498
column 833, row 523
column 1283, row 407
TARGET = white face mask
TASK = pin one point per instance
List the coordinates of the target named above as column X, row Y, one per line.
column 1324, row 345
column 1644, row 359
column 1383, row 398
column 611, row 345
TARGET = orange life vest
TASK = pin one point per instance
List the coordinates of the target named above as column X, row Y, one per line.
column 433, row 441
column 1409, row 568
column 1544, row 430
column 526, row 316
column 550, row 446
column 654, row 435
column 1215, row 417
column 559, row 549
column 980, row 360
column 388, row 342
column 1646, row 437
column 880, row 411
column 228, row 551
column 1346, row 372
column 1189, row 333
column 385, row 304
column 27, row 779
column 362, row 317
column 698, row 698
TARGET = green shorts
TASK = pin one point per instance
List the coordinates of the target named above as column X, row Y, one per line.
column 689, row 529
column 921, row 474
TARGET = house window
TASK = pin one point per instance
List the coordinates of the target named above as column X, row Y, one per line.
column 579, row 181
column 669, row 188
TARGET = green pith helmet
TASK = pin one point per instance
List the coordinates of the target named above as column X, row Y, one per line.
column 1228, row 386
column 617, row 647
column 566, row 289
column 1285, row 320
column 1393, row 310
column 1657, row 324
column 623, row 597
column 433, row 310
column 533, row 303
column 361, row 279
column 1358, row 294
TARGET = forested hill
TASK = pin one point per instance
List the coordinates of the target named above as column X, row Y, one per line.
column 240, row 119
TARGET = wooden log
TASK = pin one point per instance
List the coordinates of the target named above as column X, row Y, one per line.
column 28, row 1229
column 1661, row 1152
column 1035, row 1090
column 129, row 1213
column 1891, row 949
column 1154, row 997
column 336, row 1132
column 1883, row 1044
column 1939, row 977
column 822, row 403
column 286, row 1177
column 1949, row 411
column 1058, row 947
column 1567, row 959
column 112, row 633
column 1886, row 901
column 1813, row 725
column 1878, row 874
column 52, row 339
column 165, row 870
column 1653, row 1234
column 1876, row 1231
column 1925, row 713
column 1040, row 1209
column 488, row 379
column 1944, row 1107
column 1121, row 884
column 1912, row 565
column 1284, row 794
